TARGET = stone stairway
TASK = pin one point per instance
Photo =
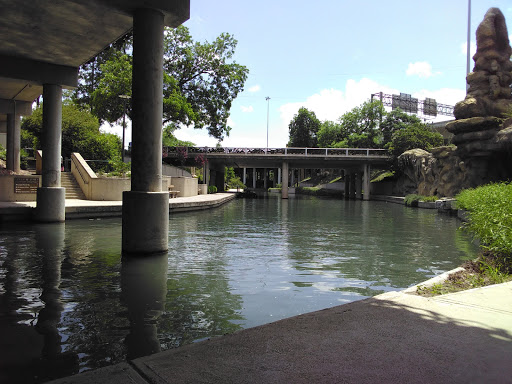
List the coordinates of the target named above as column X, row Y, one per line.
column 73, row 190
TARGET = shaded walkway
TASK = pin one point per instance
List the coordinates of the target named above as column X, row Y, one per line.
column 391, row 338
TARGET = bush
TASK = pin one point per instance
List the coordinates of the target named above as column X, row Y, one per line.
column 212, row 189
column 3, row 153
column 413, row 199
column 489, row 215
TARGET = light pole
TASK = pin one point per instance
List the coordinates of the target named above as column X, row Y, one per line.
column 125, row 98
column 268, row 106
column 469, row 42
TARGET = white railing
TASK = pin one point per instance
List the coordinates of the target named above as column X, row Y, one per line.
column 185, row 151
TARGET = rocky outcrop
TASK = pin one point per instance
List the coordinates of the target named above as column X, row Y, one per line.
column 489, row 83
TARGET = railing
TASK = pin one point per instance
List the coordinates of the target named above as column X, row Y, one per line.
column 185, row 151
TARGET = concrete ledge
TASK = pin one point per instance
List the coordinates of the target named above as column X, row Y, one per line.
column 389, row 199
column 116, row 374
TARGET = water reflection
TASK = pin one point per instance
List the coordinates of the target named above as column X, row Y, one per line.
column 69, row 302
column 143, row 287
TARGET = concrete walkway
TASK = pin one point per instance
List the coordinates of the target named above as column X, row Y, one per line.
column 396, row 337
column 78, row 209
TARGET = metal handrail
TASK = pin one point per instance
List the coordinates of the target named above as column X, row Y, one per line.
column 277, row 151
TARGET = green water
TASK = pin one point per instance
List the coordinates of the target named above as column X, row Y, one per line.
column 69, row 302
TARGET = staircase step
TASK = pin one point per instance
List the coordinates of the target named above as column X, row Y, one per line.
column 73, row 190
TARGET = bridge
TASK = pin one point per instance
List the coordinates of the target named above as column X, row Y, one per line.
column 284, row 162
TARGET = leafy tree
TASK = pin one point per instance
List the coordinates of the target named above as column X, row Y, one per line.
column 417, row 135
column 80, row 133
column 360, row 125
column 200, row 81
column 303, row 129
column 329, row 134
column 394, row 121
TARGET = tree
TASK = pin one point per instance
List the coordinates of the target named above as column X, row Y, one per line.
column 360, row 125
column 200, row 81
column 417, row 135
column 303, row 129
column 80, row 133
column 395, row 121
column 329, row 134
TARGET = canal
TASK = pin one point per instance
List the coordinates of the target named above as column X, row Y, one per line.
column 69, row 302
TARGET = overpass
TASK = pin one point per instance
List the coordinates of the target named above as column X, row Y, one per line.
column 356, row 162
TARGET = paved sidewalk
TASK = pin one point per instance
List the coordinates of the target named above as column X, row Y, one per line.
column 397, row 337
column 93, row 208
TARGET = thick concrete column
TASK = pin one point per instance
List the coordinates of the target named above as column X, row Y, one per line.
column 244, row 177
column 284, row 186
column 347, row 186
column 13, row 142
column 293, row 178
column 352, row 190
column 51, row 197
column 278, row 175
column 265, row 174
column 206, row 174
column 359, row 185
column 146, row 207
column 254, row 178
column 366, row 182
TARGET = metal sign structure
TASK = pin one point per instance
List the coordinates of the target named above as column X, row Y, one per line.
column 428, row 107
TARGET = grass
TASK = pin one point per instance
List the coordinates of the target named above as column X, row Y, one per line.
column 489, row 210
column 413, row 199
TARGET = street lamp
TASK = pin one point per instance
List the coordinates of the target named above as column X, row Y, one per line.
column 268, row 106
column 125, row 98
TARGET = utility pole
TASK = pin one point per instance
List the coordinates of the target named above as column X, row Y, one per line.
column 268, row 106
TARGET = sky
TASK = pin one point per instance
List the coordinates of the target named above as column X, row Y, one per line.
column 330, row 55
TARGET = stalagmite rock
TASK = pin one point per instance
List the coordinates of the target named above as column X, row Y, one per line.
column 489, row 84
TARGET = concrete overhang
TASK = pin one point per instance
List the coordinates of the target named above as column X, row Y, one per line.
column 45, row 41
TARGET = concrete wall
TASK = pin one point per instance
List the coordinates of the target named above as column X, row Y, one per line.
column 186, row 185
column 7, row 192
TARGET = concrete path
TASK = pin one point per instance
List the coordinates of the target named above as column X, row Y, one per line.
column 76, row 209
column 396, row 337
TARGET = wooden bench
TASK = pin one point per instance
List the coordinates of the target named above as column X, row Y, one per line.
column 172, row 193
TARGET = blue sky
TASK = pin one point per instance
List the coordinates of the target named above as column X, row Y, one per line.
column 331, row 55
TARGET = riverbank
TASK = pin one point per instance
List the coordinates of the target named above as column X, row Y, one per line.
column 393, row 337
column 88, row 209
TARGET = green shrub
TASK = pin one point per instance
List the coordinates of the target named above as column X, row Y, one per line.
column 489, row 215
column 212, row 189
column 413, row 199
column 3, row 153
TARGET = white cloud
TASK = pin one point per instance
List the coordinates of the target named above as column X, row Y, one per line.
column 254, row 88
column 329, row 104
column 247, row 109
column 421, row 69
column 464, row 48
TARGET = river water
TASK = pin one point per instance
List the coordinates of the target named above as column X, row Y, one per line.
column 69, row 302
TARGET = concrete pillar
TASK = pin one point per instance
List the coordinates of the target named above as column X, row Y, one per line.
column 220, row 181
column 284, row 187
column 265, row 178
column 352, row 190
column 254, row 178
column 293, row 178
column 206, row 174
column 244, row 177
column 146, row 207
column 51, row 197
column 347, row 186
column 278, row 175
column 359, row 185
column 366, row 182
column 13, row 142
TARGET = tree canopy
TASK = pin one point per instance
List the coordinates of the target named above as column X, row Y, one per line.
column 80, row 133
column 303, row 129
column 200, row 81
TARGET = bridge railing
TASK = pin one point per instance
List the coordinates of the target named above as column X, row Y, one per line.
column 167, row 151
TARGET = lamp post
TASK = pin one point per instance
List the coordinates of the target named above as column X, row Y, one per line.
column 125, row 98
column 268, row 106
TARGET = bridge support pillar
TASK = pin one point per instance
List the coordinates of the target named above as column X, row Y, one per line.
column 366, row 182
column 145, row 206
column 346, row 193
column 265, row 178
column 244, row 176
column 359, row 185
column 352, row 189
column 254, row 178
column 51, row 197
column 278, row 175
column 13, row 142
column 284, row 186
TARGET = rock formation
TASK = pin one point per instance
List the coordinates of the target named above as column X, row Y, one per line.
column 482, row 150
column 489, row 83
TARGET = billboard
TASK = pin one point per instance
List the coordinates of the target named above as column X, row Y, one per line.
column 405, row 102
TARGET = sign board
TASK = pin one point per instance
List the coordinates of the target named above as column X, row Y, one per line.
column 430, row 107
column 405, row 102
column 26, row 184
